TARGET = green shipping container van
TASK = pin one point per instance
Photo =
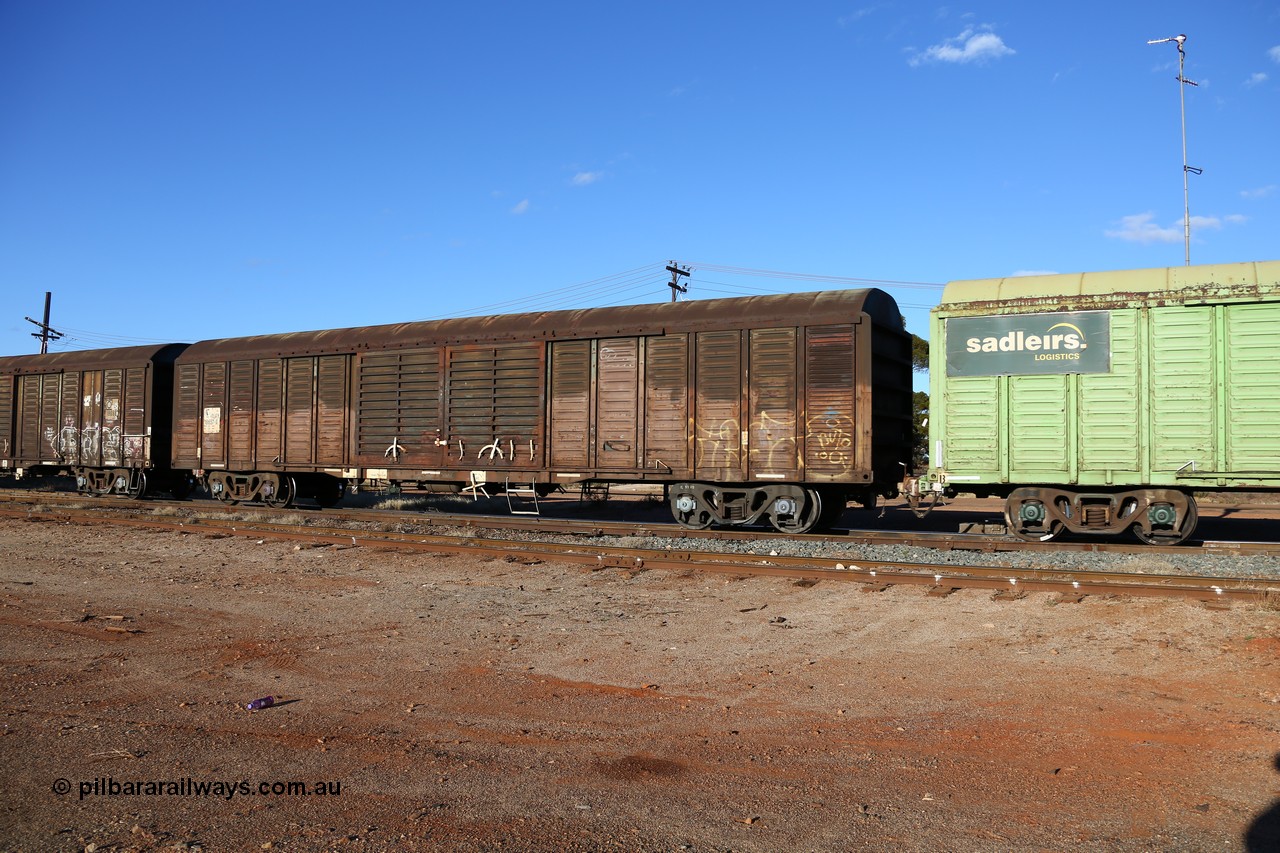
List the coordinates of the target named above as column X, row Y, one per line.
column 1098, row 402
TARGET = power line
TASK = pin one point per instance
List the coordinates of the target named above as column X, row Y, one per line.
column 834, row 279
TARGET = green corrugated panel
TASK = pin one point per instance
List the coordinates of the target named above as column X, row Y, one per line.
column 1253, row 400
column 971, row 414
column 1038, row 432
column 1183, row 398
column 1109, row 411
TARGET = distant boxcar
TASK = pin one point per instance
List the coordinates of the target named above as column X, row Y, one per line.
column 100, row 415
column 1102, row 401
column 778, row 408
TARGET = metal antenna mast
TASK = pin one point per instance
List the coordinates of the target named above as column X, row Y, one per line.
column 1183, row 82
column 46, row 332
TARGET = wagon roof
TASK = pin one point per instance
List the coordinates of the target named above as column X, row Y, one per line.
column 91, row 359
column 820, row 307
column 1160, row 285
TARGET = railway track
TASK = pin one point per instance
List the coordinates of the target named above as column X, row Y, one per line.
column 594, row 551
column 977, row 540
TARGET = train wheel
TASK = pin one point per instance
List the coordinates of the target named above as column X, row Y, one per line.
column 220, row 491
column 1030, row 519
column 1162, row 514
column 282, row 495
column 797, row 515
column 689, row 511
column 137, row 488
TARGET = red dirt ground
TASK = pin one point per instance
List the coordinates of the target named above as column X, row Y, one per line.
column 497, row 705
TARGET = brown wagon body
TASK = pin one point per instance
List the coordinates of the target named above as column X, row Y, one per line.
column 809, row 390
column 102, row 415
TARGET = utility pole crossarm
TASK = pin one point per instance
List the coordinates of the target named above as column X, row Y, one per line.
column 676, row 272
column 46, row 333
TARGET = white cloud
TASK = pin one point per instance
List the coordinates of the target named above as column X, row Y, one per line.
column 1260, row 192
column 1140, row 227
column 583, row 178
column 855, row 16
column 1021, row 273
column 970, row 46
column 1256, row 78
column 522, row 207
column 1274, row 53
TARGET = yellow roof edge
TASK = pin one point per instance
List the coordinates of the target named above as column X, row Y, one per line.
column 1123, row 285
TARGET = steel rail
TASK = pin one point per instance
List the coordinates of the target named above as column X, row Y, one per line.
column 941, row 579
column 945, row 541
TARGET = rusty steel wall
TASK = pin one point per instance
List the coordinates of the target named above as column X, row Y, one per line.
column 250, row 414
column 240, row 415
column 397, row 408
column 718, row 406
column 618, row 408
column 269, row 412
column 830, row 435
column 773, row 401
column 569, row 428
column 493, row 405
column 8, row 418
column 666, row 405
column 186, row 417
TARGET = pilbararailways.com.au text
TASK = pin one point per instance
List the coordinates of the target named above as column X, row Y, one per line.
column 225, row 789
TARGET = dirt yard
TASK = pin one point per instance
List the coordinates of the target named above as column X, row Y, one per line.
column 432, row 702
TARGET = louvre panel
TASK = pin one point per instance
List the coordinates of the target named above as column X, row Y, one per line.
column 136, row 447
column 494, row 402
column 213, row 395
column 718, row 412
column 1038, row 434
column 186, row 420
column 570, row 404
column 771, row 443
column 331, row 403
column 240, row 416
column 399, row 402
column 972, row 407
column 299, row 419
column 666, row 415
column 31, row 444
column 70, row 416
column 270, row 448
column 617, row 402
column 1253, row 406
column 1183, row 389
column 109, row 432
column 7, row 419
column 829, row 401
column 91, row 410
column 1109, row 425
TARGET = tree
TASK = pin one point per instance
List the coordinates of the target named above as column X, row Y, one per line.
column 919, row 354
column 920, row 418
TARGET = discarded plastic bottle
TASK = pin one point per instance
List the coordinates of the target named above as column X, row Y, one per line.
column 257, row 704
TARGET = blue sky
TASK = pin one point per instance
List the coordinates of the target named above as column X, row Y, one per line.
column 182, row 171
